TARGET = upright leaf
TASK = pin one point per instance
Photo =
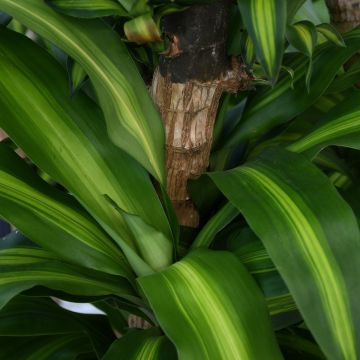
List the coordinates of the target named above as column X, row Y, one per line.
column 303, row 36
column 67, row 138
column 278, row 105
column 133, row 122
column 311, row 235
column 265, row 22
column 210, row 308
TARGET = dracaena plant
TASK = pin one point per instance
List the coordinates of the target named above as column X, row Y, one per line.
column 215, row 216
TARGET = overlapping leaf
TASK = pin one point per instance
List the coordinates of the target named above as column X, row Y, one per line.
column 132, row 120
column 341, row 126
column 24, row 268
column 312, row 236
column 142, row 345
column 265, row 22
column 215, row 308
column 276, row 106
column 53, row 219
column 67, row 138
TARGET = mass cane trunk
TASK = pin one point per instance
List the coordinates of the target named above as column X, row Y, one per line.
column 187, row 88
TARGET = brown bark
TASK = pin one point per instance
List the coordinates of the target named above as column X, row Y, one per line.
column 345, row 14
column 187, row 88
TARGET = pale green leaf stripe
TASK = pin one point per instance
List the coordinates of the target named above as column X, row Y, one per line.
column 346, row 125
column 208, row 308
column 67, row 138
column 302, row 36
column 133, row 122
column 331, row 33
column 297, row 220
column 312, row 242
column 265, row 22
column 150, row 349
column 23, row 268
column 147, row 344
column 70, row 222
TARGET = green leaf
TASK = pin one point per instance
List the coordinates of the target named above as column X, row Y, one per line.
column 24, row 268
column 28, row 316
column 272, row 107
column 77, row 76
column 67, row 139
column 341, row 126
column 133, row 122
column 142, row 29
column 345, row 80
column 210, row 307
column 311, row 235
column 218, row 222
column 88, row 8
column 142, row 345
column 265, row 22
column 331, row 34
column 54, row 219
column 68, row 346
column 292, row 8
column 152, row 245
column 303, row 36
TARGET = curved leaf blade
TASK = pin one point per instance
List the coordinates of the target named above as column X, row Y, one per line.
column 88, row 9
column 278, row 105
column 341, row 126
column 210, row 307
column 53, row 219
column 142, row 345
column 67, row 138
column 23, row 268
column 265, row 22
column 293, row 208
column 133, row 122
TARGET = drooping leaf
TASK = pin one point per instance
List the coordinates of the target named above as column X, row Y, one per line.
column 331, row 34
column 341, row 126
column 210, row 307
column 67, row 138
column 311, row 235
column 133, row 122
column 265, row 22
column 24, row 268
column 88, row 9
column 142, row 345
column 276, row 106
column 53, row 219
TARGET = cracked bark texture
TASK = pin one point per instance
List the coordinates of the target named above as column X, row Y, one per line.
column 345, row 14
column 187, row 88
